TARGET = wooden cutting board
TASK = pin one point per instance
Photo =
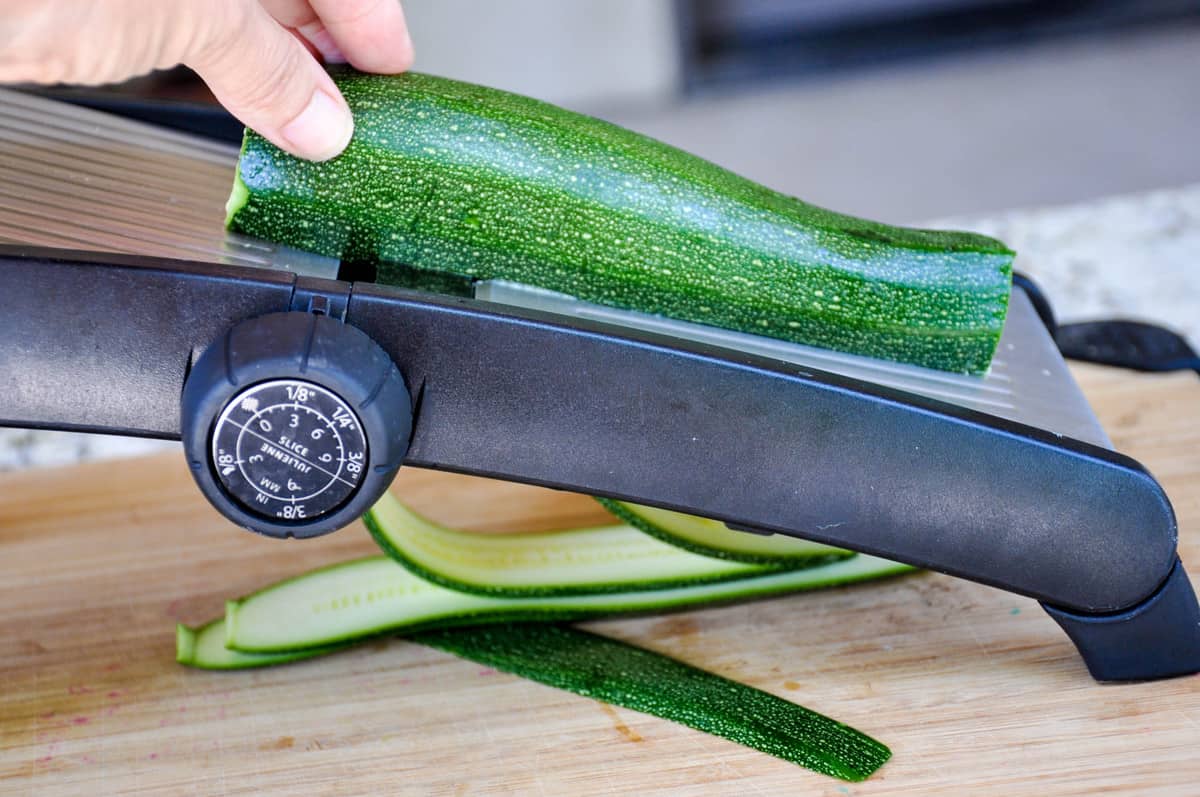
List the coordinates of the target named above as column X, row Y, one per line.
column 976, row 691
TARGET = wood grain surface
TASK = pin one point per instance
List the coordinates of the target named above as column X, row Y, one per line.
column 976, row 691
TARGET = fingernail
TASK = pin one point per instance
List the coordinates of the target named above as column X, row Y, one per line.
column 322, row 130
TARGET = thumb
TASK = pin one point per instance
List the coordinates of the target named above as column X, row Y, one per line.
column 266, row 78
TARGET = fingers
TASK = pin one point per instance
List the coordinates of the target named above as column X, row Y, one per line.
column 268, row 80
column 100, row 41
column 372, row 33
column 262, row 73
column 23, row 26
column 298, row 15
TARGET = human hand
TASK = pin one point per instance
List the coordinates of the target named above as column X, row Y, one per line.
column 259, row 57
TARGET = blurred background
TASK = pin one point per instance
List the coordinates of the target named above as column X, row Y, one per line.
column 901, row 110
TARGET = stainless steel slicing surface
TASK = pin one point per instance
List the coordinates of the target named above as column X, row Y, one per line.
column 79, row 179
column 74, row 178
column 1029, row 382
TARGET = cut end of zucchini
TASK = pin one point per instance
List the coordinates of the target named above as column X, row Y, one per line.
column 204, row 648
column 185, row 644
column 239, row 196
column 230, row 624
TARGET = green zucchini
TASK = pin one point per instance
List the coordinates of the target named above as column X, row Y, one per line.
column 713, row 538
column 331, row 608
column 642, row 680
column 459, row 179
column 611, row 558
column 371, row 596
column 204, row 648
column 617, row 673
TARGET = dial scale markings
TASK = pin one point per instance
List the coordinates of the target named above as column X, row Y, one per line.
column 289, row 449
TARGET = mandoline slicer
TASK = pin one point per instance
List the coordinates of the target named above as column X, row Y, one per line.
column 126, row 309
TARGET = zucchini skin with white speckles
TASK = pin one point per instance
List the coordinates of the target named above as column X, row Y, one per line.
column 618, row 673
column 456, row 178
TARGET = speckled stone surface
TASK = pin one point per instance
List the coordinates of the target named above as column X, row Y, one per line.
column 26, row 448
column 1134, row 256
